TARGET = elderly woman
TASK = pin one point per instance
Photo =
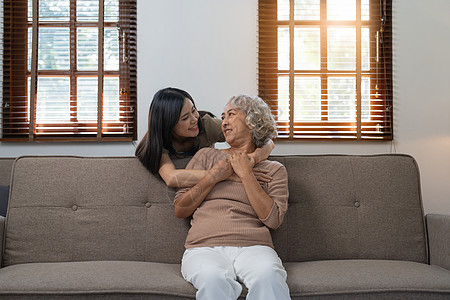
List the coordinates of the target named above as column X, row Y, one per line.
column 229, row 240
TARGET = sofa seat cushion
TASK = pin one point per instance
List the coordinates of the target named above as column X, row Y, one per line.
column 98, row 279
column 349, row 279
column 367, row 279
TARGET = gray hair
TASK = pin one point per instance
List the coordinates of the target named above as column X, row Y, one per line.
column 258, row 118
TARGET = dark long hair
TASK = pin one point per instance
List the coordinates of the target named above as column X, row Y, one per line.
column 163, row 115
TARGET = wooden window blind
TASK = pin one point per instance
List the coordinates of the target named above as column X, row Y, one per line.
column 325, row 68
column 69, row 70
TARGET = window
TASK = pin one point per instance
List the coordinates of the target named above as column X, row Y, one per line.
column 325, row 68
column 69, row 70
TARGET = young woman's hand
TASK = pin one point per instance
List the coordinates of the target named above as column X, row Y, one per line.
column 262, row 153
column 253, row 158
column 261, row 176
column 188, row 201
column 221, row 170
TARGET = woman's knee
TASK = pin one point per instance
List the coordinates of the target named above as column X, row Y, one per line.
column 210, row 276
column 213, row 274
column 267, row 281
column 213, row 283
column 267, row 272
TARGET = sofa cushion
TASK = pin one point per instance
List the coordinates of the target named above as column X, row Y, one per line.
column 77, row 209
column 352, row 207
column 348, row 279
column 363, row 279
column 102, row 279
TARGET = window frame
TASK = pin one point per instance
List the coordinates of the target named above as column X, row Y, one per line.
column 20, row 125
column 380, row 125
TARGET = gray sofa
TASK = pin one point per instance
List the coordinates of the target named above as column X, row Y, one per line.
column 87, row 228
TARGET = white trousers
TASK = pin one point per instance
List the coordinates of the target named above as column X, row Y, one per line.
column 216, row 272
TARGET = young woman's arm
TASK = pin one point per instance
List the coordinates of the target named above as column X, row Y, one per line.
column 214, row 132
column 262, row 153
column 178, row 177
column 187, row 178
column 186, row 202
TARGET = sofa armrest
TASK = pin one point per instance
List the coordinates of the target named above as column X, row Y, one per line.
column 2, row 236
column 438, row 229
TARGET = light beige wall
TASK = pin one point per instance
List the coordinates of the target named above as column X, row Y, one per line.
column 208, row 47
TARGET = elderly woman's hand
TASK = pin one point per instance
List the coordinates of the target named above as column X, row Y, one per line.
column 241, row 164
column 260, row 175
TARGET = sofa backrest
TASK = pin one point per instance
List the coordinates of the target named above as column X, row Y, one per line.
column 340, row 207
column 353, row 207
column 82, row 209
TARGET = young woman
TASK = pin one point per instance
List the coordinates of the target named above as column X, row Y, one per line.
column 177, row 129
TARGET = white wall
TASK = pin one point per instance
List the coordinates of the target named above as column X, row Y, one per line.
column 422, row 93
column 208, row 47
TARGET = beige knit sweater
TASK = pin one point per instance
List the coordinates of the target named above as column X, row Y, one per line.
column 226, row 218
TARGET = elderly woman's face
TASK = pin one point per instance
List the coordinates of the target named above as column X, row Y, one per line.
column 234, row 127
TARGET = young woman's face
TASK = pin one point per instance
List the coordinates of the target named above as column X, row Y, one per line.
column 187, row 125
